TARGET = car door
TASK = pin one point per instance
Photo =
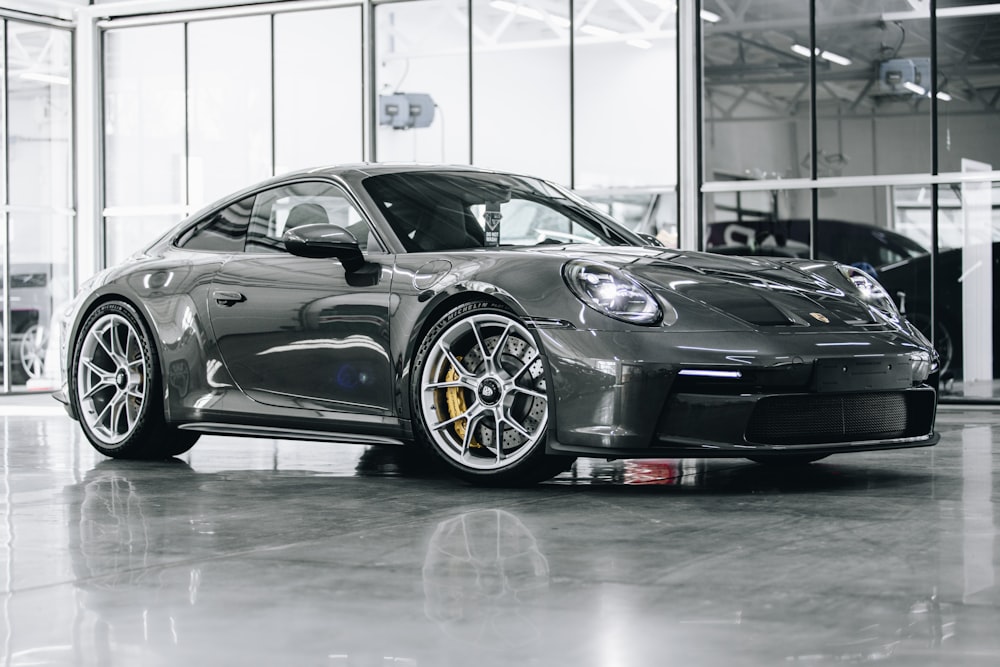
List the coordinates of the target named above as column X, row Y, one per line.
column 299, row 332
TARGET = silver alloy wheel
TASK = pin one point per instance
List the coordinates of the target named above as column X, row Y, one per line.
column 483, row 392
column 31, row 351
column 111, row 379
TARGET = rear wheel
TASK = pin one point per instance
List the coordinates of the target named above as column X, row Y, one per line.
column 116, row 388
column 480, row 397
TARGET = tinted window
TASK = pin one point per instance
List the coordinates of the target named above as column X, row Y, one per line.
column 223, row 231
column 431, row 211
column 280, row 209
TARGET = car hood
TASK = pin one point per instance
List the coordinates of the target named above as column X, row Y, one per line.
column 756, row 291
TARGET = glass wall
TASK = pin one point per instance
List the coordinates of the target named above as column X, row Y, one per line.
column 873, row 70
column 229, row 105
column 38, row 215
column 144, row 134
column 521, row 91
column 422, row 48
column 317, row 88
column 197, row 109
column 755, row 91
column 625, row 95
column 774, row 223
column 888, row 106
column 814, row 116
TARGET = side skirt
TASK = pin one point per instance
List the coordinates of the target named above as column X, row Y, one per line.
column 288, row 433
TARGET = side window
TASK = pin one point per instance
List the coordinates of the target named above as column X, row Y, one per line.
column 223, row 231
column 280, row 209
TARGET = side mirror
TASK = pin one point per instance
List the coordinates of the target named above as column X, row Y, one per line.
column 325, row 241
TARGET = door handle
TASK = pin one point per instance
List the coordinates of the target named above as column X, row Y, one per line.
column 228, row 298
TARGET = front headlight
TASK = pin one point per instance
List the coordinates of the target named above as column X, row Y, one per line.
column 611, row 292
column 870, row 291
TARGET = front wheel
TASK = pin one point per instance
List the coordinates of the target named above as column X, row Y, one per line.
column 116, row 389
column 480, row 398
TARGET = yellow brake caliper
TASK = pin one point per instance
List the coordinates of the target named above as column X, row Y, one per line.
column 456, row 405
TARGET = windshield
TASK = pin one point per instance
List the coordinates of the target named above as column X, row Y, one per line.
column 431, row 211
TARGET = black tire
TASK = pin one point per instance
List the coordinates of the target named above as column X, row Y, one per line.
column 485, row 419
column 787, row 460
column 116, row 388
column 944, row 345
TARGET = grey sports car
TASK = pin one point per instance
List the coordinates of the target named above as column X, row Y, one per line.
column 497, row 321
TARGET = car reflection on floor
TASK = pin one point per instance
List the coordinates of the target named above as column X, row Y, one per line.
column 158, row 568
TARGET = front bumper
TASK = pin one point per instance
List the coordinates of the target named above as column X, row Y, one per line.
column 722, row 394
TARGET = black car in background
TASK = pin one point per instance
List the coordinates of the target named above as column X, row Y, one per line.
column 909, row 284
column 837, row 240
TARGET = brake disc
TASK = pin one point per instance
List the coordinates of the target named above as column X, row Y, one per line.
column 528, row 411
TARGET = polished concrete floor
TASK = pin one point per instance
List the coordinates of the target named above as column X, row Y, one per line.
column 259, row 552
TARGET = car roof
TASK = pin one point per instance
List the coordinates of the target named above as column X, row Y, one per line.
column 364, row 169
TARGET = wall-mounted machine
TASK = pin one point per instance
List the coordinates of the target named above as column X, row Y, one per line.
column 904, row 76
column 401, row 111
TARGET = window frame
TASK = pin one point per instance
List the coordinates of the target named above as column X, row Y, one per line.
column 256, row 191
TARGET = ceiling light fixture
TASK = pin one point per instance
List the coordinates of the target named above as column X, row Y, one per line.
column 830, row 56
column 530, row 13
column 914, row 88
column 835, row 58
column 711, row 17
column 598, row 31
column 45, row 78
column 561, row 22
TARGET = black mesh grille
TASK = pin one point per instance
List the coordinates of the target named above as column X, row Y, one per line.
column 829, row 418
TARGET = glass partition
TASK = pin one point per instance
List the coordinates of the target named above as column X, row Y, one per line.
column 521, row 94
column 625, row 95
column 38, row 208
column 144, row 116
column 229, row 106
column 317, row 88
column 965, row 287
column 969, row 100
column 756, row 95
column 422, row 50
column 873, row 71
column 758, row 222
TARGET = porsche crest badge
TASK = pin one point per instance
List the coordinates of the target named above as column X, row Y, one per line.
column 821, row 317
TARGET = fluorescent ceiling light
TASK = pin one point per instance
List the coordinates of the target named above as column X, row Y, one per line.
column 801, row 50
column 943, row 96
column 711, row 17
column 835, row 58
column 598, row 31
column 520, row 10
column 45, row 78
column 663, row 4
column 530, row 13
column 639, row 43
column 914, row 88
column 830, row 56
